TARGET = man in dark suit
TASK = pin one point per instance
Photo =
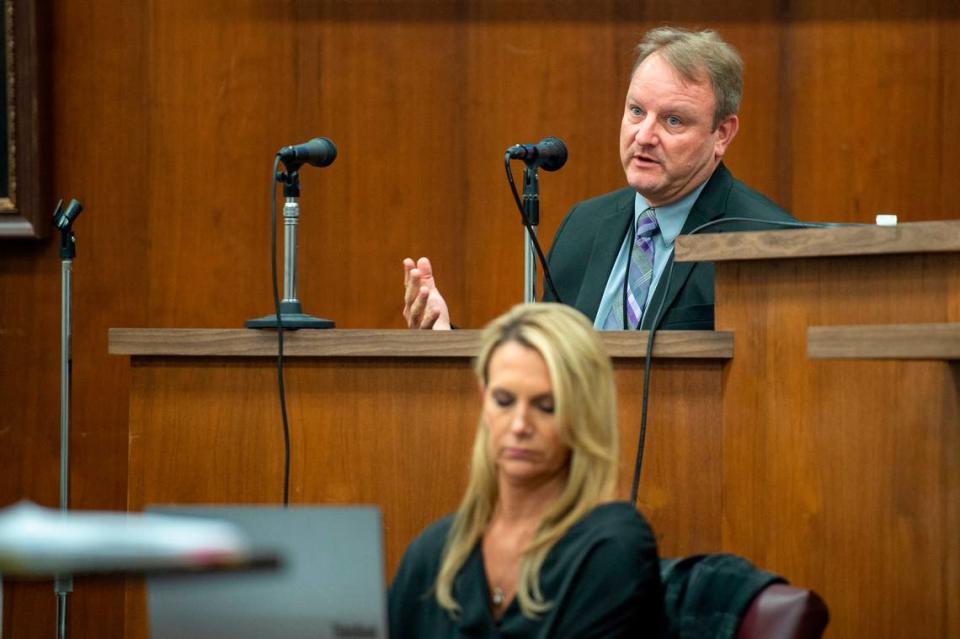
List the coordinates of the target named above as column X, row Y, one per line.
column 611, row 257
column 587, row 243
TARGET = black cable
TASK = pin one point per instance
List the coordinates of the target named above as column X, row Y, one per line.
column 658, row 316
column 645, row 401
column 626, row 277
column 529, row 227
column 513, row 187
column 276, row 306
column 781, row 223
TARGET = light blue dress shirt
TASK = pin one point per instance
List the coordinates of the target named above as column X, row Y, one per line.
column 670, row 218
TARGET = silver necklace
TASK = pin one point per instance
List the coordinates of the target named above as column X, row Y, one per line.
column 497, row 598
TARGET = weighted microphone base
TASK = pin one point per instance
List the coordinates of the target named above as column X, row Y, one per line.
column 290, row 322
column 291, row 317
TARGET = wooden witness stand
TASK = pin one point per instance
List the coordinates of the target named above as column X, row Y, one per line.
column 841, row 437
column 772, row 437
column 384, row 417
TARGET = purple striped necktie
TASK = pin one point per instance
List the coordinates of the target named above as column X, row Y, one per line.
column 639, row 274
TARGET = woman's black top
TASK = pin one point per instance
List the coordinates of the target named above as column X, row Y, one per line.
column 602, row 577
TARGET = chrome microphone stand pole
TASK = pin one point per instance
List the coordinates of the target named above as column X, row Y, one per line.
column 531, row 213
column 291, row 310
column 63, row 220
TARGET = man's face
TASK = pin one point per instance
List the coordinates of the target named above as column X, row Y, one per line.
column 668, row 146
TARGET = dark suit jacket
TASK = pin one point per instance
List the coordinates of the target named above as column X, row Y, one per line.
column 589, row 238
column 708, row 595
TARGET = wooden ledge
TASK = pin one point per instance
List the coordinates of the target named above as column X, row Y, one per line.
column 868, row 239
column 889, row 341
column 385, row 343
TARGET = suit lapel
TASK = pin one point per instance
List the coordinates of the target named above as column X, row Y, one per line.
column 711, row 204
column 612, row 228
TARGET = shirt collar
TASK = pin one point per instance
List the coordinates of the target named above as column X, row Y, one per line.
column 670, row 217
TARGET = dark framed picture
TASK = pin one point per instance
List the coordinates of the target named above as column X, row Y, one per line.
column 20, row 214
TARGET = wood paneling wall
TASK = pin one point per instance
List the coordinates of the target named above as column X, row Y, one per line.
column 163, row 116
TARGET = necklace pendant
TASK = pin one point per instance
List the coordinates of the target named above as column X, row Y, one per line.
column 497, row 598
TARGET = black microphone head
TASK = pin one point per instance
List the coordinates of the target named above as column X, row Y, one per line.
column 63, row 218
column 317, row 152
column 320, row 152
column 553, row 153
column 74, row 209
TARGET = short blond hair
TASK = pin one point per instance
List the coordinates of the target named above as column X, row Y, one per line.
column 694, row 54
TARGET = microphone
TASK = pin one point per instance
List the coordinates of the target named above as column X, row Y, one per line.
column 63, row 219
column 549, row 153
column 317, row 152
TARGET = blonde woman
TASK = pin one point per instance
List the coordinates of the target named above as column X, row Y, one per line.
column 538, row 547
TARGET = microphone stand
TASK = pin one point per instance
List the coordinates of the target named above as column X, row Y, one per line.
column 63, row 584
column 531, row 215
column 291, row 311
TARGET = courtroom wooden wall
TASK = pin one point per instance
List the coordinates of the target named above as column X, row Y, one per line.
column 163, row 116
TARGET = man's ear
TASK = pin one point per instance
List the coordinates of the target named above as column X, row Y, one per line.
column 726, row 131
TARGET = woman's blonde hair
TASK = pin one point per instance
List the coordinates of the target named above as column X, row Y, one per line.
column 585, row 409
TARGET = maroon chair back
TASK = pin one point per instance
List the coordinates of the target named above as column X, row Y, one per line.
column 780, row 611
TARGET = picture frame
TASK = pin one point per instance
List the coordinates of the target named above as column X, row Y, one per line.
column 20, row 214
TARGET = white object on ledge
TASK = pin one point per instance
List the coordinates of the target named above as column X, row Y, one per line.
column 37, row 541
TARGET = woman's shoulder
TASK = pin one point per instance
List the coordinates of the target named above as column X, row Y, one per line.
column 430, row 541
column 614, row 519
column 604, row 575
column 413, row 609
column 614, row 528
column 421, row 560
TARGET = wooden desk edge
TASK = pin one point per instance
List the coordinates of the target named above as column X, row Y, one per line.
column 866, row 239
column 385, row 343
column 936, row 341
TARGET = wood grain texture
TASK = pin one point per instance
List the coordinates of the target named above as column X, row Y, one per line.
column 951, row 523
column 855, row 75
column 843, row 474
column 391, row 432
column 163, row 118
column 888, row 341
column 916, row 237
column 387, row 343
column 680, row 487
column 94, row 147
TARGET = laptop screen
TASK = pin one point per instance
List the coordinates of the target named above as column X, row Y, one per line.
column 330, row 583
